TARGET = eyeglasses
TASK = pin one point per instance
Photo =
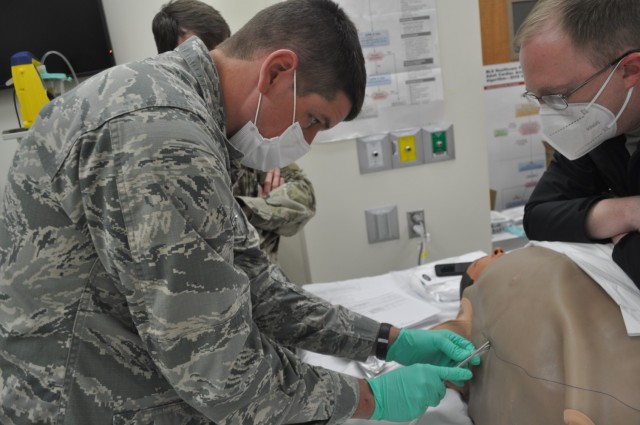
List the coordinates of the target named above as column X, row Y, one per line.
column 559, row 101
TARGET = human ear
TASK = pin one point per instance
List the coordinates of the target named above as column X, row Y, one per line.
column 631, row 70
column 276, row 72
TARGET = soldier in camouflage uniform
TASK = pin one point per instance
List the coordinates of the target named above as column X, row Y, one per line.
column 274, row 206
column 282, row 211
column 132, row 288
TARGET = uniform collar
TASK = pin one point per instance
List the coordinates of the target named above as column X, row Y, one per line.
column 197, row 56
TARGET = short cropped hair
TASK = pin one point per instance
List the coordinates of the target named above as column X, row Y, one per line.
column 322, row 36
column 178, row 17
column 600, row 29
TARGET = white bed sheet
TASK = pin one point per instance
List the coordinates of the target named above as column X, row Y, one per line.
column 451, row 410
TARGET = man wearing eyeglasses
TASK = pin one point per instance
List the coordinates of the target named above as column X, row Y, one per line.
column 581, row 62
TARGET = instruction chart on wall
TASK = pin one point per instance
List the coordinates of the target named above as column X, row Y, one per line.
column 404, row 80
column 516, row 152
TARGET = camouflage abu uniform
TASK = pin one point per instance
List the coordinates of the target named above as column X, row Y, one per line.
column 132, row 290
column 283, row 211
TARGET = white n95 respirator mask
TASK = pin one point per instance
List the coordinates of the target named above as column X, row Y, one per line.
column 581, row 127
column 265, row 154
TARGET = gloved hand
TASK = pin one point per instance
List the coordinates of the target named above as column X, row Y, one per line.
column 403, row 394
column 441, row 348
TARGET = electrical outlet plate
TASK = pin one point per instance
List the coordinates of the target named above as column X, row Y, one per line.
column 382, row 224
column 413, row 218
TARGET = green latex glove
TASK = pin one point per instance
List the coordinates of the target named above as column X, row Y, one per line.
column 441, row 348
column 403, row 394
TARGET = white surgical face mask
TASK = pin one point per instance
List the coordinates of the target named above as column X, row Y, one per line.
column 581, row 127
column 277, row 152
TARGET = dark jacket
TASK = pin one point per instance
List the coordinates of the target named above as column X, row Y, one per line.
column 557, row 209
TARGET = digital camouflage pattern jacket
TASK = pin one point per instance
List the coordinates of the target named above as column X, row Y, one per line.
column 132, row 289
column 283, row 211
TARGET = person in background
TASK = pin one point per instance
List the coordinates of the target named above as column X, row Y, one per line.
column 180, row 19
column 278, row 202
column 581, row 62
column 132, row 288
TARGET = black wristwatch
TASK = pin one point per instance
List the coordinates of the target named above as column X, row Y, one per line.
column 382, row 341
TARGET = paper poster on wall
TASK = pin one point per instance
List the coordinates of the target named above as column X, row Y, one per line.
column 516, row 152
column 404, row 81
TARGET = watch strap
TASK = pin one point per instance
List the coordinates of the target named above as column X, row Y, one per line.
column 382, row 341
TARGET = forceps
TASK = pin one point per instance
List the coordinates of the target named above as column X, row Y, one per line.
column 484, row 347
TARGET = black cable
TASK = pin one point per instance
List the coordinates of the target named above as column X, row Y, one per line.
column 15, row 106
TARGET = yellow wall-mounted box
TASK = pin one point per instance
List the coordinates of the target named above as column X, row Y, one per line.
column 29, row 87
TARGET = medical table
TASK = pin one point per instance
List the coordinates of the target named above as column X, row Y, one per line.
column 414, row 297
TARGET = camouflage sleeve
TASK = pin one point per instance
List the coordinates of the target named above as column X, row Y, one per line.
column 164, row 221
column 317, row 325
column 286, row 209
column 295, row 317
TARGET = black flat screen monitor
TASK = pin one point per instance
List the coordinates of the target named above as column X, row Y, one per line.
column 75, row 28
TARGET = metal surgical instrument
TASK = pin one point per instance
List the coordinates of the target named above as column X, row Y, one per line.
column 484, row 347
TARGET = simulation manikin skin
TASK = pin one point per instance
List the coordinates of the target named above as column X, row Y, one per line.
column 559, row 353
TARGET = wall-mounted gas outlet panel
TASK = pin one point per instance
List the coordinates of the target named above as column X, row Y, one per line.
column 438, row 143
column 374, row 153
column 407, row 148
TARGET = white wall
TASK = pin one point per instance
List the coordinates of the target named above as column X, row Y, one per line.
column 453, row 194
column 129, row 22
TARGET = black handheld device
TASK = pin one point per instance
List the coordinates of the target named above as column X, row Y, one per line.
column 451, row 269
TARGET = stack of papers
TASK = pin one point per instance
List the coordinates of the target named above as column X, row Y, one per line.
column 378, row 297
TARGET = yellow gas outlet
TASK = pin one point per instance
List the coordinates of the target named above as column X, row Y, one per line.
column 407, row 149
